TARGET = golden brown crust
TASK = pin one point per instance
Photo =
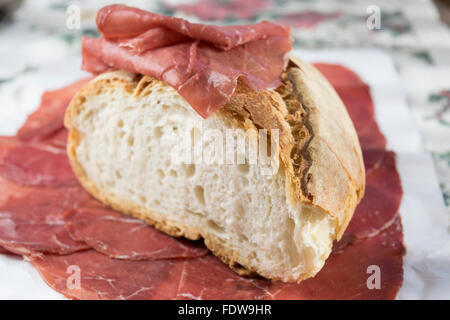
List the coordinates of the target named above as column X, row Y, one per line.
column 321, row 157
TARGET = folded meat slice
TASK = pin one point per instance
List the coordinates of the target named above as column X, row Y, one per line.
column 203, row 63
column 119, row 21
column 105, row 231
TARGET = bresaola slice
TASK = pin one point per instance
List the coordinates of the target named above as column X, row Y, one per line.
column 119, row 21
column 32, row 222
column 106, row 278
column 379, row 206
column 203, row 63
column 3, row 251
column 105, row 231
column 49, row 117
column 37, row 165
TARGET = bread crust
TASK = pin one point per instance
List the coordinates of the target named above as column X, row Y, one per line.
column 320, row 151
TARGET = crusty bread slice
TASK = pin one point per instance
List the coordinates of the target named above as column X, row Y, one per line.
column 281, row 225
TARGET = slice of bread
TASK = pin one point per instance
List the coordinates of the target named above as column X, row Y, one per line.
column 125, row 145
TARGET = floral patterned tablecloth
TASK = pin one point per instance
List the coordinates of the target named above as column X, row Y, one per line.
column 410, row 30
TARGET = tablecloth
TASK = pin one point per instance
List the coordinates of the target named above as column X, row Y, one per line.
column 42, row 37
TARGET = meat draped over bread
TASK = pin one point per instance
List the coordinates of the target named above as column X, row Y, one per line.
column 202, row 62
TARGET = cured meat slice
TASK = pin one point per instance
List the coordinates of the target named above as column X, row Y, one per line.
column 105, row 231
column 33, row 222
column 381, row 201
column 208, row 278
column 345, row 275
column 104, row 278
column 153, row 38
column 49, row 118
column 356, row 97
column 119, row 21
column 37, row 165
column 201, row 62
column 3, row 251
column 58, row 139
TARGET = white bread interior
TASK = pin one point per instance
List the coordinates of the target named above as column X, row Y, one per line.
column 280, row 226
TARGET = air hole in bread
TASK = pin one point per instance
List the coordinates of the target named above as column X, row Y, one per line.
column 173, row 173
column 243, row 168
column 161, row 174
column 130, row 141
column 122, row 134
column 199, row 194
column 158, row 132
column 243, row 237
column 245, row 182
column 237, row 266
column 120, row 123
column 189, row 170
column 195, row 213
column 213, row 225
column 143, row 199
column 118, row 175
column 196, row 135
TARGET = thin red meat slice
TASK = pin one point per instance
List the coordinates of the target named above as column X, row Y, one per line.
column 208, row 278
column 105, row 231
column 58, row 139
column 201, row 62
column 37, row 165
column 153, row 38
column 119, row 21
column 3, row 251
column 356, row 97
column 31, row 219
column 381, row 201
column 106, row 278
column 343, row 277
column 49, row 118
